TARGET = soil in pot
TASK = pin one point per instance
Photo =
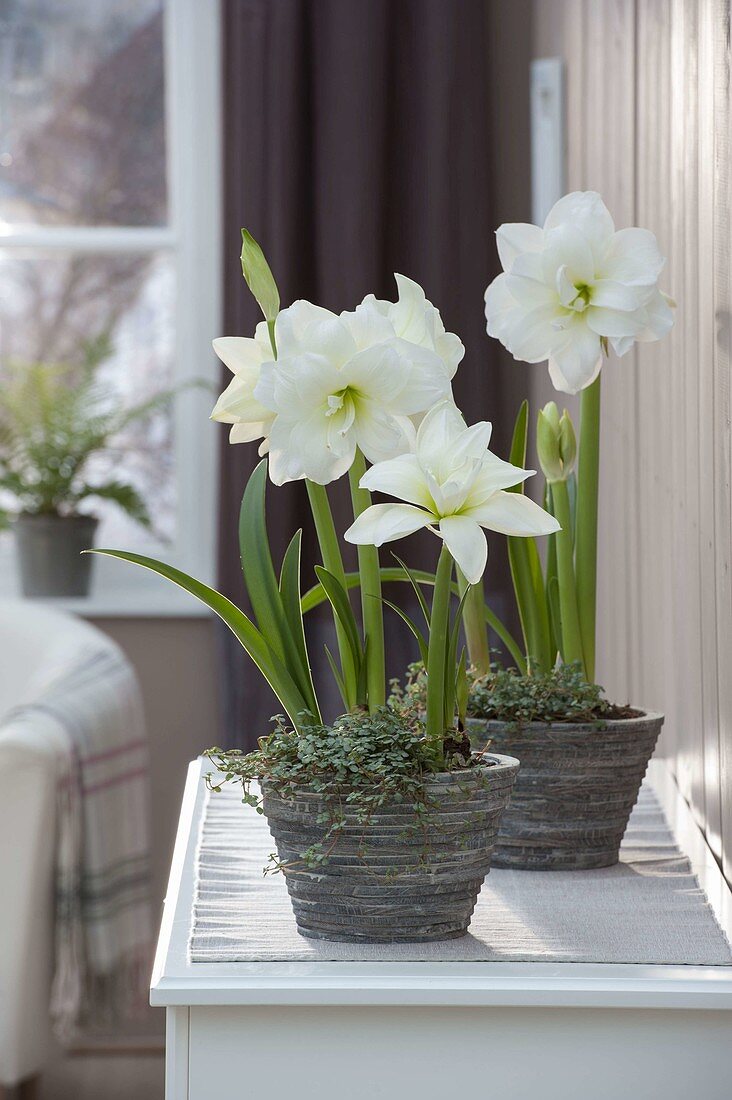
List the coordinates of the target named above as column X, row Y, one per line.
column 577, row 786
column 400, row 877
column 49, row 552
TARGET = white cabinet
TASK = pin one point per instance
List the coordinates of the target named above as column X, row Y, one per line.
column 430, row 1031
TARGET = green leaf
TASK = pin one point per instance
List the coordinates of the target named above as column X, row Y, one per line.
column 552, row 595
column 417, row 590
column 259, row 277
column 239, row 624
column 450, row 662
column 316, row 595
column 462, row 689
column 525, row 565
column 421, row 640
column 290, row 597
column 342, row 689
column 262, row 586
column 340, row 603
column 333, row 561
column 555, row 636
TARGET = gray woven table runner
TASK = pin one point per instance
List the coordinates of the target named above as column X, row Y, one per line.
column 647, row 909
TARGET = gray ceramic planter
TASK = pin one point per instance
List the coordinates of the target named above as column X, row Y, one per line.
column 49, row 551
column 577, row 786
column 393, row 881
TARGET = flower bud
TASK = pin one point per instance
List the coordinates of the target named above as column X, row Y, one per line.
column 259, row 277
column 556, row 443
column 547, row 443
column 567, row 443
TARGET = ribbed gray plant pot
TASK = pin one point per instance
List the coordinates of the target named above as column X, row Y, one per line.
column 577, row 786
column 49, row 551
column 391, row 880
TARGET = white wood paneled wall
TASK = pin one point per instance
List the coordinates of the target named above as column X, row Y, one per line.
column 648, row 87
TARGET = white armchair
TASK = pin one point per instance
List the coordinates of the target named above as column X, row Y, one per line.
column 33, row 641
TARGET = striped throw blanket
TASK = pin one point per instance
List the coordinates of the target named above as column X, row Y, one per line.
column 91, row 707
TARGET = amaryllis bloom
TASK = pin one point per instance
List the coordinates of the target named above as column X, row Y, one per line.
column 574, row 283
column 454, row 486
column 412, row 318
column 331, row 391
column 237, row 405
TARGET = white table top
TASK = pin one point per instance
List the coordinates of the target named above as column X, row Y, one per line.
column 176, row 981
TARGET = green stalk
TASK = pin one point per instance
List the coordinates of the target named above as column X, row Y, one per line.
column 373, row 613
column 330, row 552
column 571, row 634
column 436, row 655
column 588, row 474
column 474, row 624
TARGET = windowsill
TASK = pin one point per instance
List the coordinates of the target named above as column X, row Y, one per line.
column 134, row 605
column 118, row 591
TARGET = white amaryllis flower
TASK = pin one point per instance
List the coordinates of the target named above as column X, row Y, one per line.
column 412, row 319
column 454, row 486
column 574, row 283
column 237, row 405
column 331, row 391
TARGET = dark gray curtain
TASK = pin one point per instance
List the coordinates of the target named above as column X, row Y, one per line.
column 360, row 140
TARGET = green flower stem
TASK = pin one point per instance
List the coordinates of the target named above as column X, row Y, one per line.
column 330, row 552
column 371, row 603
column 474, row 624
column 437, row 654
column 588, row 474
column 571, row 634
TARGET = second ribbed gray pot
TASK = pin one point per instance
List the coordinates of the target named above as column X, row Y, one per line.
column 573, row 796
column 395, row 879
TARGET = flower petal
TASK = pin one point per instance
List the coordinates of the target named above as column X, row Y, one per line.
column 576, row 363
column 369, row 323
column 467, row 544
column 567, row 246
column 634, row 258
column 613, row 295
column 237, row 403
column 426, row 381
column 513, row 238
column 249, row 432
column 293, row 325
column 586, row 211
column 494, row 474
column 658, row 317
column 379, row 434
column 302, row 448
column 241, row 354
column 614, row 322
column 386, row 522
column 451, row 350
column 502, row 311
column 409, row 315
column 514, row 514
column 534, row 339
column 400, row 477
column 437, row 433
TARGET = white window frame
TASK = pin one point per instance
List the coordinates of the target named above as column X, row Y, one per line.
column 192, row 238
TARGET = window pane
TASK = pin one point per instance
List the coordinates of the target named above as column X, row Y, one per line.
column 56, row 309
column 82, row 138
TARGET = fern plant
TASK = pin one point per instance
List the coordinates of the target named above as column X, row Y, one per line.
column 54, row 417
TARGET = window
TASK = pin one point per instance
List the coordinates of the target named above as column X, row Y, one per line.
column 109, row 227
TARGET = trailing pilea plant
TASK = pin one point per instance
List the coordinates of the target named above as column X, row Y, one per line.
column 360, row 764
column 504, row 695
